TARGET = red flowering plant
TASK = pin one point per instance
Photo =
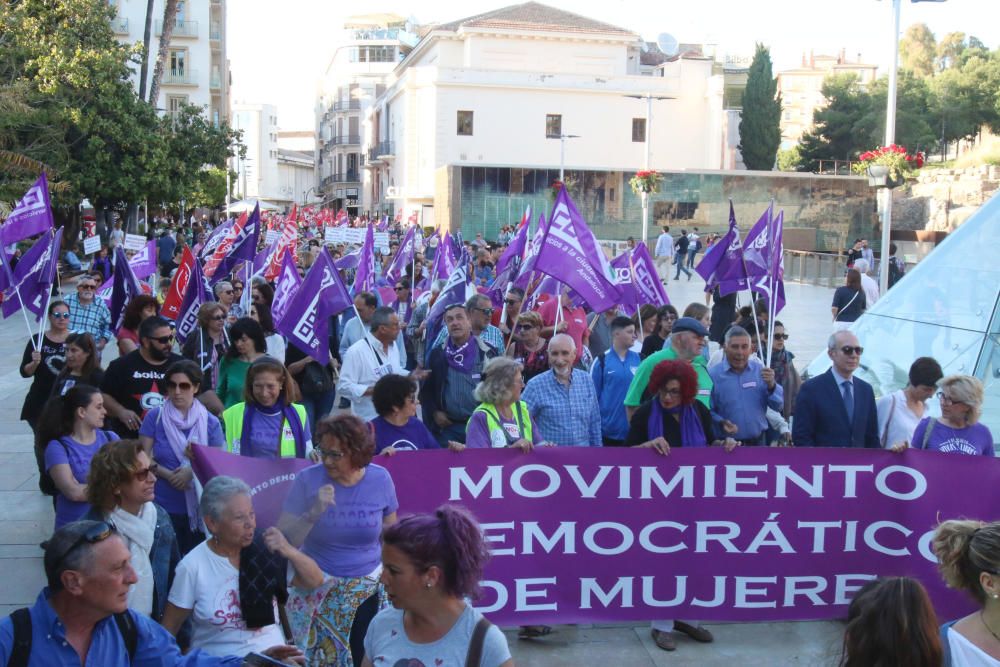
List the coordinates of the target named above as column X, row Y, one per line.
column 557, row 185
column 647, row 181
column 900, row 162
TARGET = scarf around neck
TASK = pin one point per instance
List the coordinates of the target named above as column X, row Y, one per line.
column 139, row 532
column 196, row 425
column 463, row 357
column 692, row 432
column 289, row 415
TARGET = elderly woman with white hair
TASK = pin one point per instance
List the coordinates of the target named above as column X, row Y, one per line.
column 868, row 284
column 958, row 431
column 232, row 584
column 501, row 419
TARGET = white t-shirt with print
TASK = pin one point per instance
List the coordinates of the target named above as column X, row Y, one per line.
column 209, row 585
column 387, row 645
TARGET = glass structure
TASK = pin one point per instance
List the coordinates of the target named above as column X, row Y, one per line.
column 946, row 307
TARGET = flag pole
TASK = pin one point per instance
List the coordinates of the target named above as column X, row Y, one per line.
column 35, row 343
column 638, row 313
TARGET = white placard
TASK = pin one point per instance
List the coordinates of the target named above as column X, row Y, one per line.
column 354, row 235
column 331, row 236
column 271, row 236
column 135, row 241
column 91, row 244
column 382, row 239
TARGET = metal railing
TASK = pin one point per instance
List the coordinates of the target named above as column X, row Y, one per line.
column 350, row 105
column 346, row 140
column 186, row 78
column 835, row 168
column 385, row 148
column 181, row 29
column 215, row 31
column 215, row 82
column 815, row 268
column 120, row 25
column 327, row 181
column 346, row 177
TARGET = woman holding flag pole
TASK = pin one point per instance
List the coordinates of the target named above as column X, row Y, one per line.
column 44, row 357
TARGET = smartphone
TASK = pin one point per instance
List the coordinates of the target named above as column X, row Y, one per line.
column 259, row 660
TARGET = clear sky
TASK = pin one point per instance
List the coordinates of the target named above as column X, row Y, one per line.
column 279, row 49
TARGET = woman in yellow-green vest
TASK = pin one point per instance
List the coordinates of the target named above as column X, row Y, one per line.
column 502, row 418
column 268, row 424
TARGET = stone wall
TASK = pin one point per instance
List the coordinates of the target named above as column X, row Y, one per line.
column 942, row 199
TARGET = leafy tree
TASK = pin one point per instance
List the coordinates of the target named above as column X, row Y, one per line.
column 918, row 50
column 760, row 123
column 789, row 159
column 913, row 129
column 209, row 190
column 837, row 132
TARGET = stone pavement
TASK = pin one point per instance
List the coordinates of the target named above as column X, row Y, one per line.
column 26, row 518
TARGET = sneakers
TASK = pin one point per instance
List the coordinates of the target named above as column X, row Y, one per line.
column 664, row 640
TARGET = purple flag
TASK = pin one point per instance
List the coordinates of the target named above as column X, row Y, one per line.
column 364, row 279
column 404, row 256
column 125, row 287
column 306, row 320
column 31, row 216
column 384, row 225
column 242, row 240
column 510, row 261
column 722, row 254
column 776, row 278
column 348, row 261
column 263, row 258
column 143, row 263
column 215, row 238
column 444, row 260
column 638, row 280
column 531, row 254
column 570, row 254
column 455, row 290
column 195, row 296
column 737, row 276
column 33, row 276
column 285, row 286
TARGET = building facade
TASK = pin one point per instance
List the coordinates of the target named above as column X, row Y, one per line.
column 196, row 71
column 367, row 51
column 531, row 87
column 802, row 90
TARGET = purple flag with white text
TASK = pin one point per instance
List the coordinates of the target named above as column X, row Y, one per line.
column 33, row 276
column 125, row 287
column 240, row 246
column 306, row 320
column 195, row 296
column 570, row 254
column 775, row 280
column 31, row 216
column 215, row 238
column 364, row 279
column 722, row 254
column 404, row 256
column 285, row 286
column 143, row 262
column 755, row 259
column 638, row 280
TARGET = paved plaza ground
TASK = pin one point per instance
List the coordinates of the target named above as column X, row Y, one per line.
column 26, row 519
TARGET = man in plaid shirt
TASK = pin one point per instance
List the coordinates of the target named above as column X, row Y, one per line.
column 563, row 401
column 88, row 314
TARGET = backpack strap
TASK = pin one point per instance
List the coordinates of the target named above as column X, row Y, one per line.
column 21, row 651
column 945, row 644
column 475, row 655
column 927, row 432
column 130, row 633
column 885, row 433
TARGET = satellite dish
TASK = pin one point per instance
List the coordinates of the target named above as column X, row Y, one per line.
column 667, row 43
column 644, row 46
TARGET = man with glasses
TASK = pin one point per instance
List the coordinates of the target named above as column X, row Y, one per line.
column 480, row 311
column 88, row 314
column 371, row 358
column 135, row 383
column 836, row 409
column 82, row 615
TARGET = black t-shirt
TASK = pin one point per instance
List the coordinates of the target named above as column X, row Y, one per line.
column 849, row 302
column 137, row 384
column 66, row 382
column 638, row 429
column 650, row 344
column 682, row 244
column 53, row 360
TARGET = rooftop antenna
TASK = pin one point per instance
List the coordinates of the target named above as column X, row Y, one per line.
column 668, row 44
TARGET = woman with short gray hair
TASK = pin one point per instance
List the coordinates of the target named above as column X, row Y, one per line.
column 501, row 419
column 229, row 583
column 958, row 431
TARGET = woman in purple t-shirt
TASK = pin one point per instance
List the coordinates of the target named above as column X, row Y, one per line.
column 958, row 431
column 397, row 428
column 335, row 512
column 71, row 425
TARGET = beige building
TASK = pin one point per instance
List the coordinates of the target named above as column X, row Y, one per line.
column 801, row 90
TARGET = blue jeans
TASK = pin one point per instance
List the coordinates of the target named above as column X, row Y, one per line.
column 679, row 260
column 454, row 432
column 691, row 255
column 317, row 406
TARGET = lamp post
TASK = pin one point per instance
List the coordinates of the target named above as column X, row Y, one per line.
column 562, row 154
column 649, row 130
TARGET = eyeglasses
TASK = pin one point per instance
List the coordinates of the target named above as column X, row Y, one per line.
column 524, row 327
column 399, row 289
column 227, row 291
column 670, row 392
column 945, row 398
column 142, row 474
column 59, row 316
column 86, row 287
column 96, row 533
column 486, row 311
column 511, row 302
column 183, row 386
column 330, row 454
column 162, row 340
column 849, row 350
column 785, row 337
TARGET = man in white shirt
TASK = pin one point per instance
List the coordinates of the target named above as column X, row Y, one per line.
column 868, row 283
column 664, row 254
column 369, row 359
column 692, row 247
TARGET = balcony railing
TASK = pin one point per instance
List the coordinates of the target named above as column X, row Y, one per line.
column 347, row 140
column 352, row 105
column 215, row 31
column 120, row 25
column 215, row 82
column 326, row 182
column 380, row 34
column 346, row 177
column 186, row 78
column 385, row 149
column 181, row 29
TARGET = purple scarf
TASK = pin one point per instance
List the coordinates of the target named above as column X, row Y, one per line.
column 692, row 432
column 462, row 358
column 289, row 415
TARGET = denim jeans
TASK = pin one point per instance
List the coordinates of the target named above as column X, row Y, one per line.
column 317, row 406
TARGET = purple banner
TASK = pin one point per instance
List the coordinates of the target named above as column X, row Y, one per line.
column 638, row 280
column 32, row 215
column 594, row 535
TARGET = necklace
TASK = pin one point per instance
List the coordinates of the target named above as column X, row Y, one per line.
column 983, row 619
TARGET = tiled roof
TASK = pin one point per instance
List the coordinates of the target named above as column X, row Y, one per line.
column 535, row 16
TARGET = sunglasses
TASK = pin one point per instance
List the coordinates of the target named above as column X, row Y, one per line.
column 86, row 287
column 524, row 327
column 511, row 302
column 183, row 386
column 399, row 289
column 670, row 392
column 486, row 311
column 162, row 340
column 218, row 318
column 59, row 316
column 780, row 336
column 142, row 474
column 848, row 350
column 96, row 533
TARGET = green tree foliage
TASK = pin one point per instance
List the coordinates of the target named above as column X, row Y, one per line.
column 209, row 190
column 789, row 159
column 760, row 123
column 918, row 50
column 837, row 127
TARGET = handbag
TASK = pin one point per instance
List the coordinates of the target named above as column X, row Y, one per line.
column 315, row 379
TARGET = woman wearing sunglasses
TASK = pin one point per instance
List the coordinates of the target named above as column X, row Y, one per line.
column 165, row 435
column 120, row 489
column 958, row 431
column 42, row 365
column 528, row 346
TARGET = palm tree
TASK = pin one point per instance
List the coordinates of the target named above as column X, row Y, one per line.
column 169, row 23
column 146, row 36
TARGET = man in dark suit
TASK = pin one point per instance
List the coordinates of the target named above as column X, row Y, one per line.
column 836, row 409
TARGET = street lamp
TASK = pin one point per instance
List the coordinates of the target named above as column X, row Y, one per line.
column 649, row 130
column 562, row 154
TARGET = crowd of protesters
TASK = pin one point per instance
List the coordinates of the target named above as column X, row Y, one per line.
column 341, row 580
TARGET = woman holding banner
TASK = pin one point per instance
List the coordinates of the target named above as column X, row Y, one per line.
column 501, row 419
column 432, row 567
column 336, row 511
column 969, row 560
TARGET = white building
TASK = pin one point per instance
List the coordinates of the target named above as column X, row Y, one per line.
column 279, row 167
column 366, row 52
column 500, row 89
column 196, row 71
